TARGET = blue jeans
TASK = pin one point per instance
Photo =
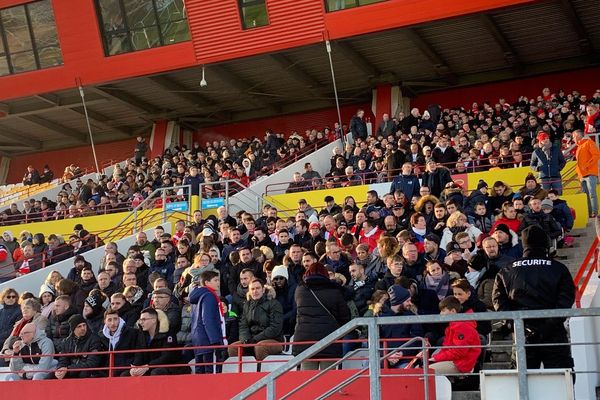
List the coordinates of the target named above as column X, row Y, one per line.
column 553, row 183
column 588, row 184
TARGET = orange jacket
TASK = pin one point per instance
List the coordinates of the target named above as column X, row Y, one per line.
column 587, row 156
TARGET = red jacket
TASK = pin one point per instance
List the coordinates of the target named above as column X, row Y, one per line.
column 370, row 238
column 461, row 333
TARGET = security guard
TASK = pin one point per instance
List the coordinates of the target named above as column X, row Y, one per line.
column 536, row 282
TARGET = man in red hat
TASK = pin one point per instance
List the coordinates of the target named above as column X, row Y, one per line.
column 547, row 159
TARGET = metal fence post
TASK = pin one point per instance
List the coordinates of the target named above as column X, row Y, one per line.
column 519, row 326
column 271, row 390
column 164, row 204
column 374, row 367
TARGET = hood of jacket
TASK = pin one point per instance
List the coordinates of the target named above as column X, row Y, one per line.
column 507, row 192
column 421, row 203
column 163, row 322
column 270, row 294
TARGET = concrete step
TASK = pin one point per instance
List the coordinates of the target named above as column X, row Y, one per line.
column 501, row 357
column 466, row 395
column 496, row 365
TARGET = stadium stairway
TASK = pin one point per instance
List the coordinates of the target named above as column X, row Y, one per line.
column 500, row 351
column 250, row 199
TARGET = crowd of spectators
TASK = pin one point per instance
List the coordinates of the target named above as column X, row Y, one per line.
column 423, row 247
column 485, row 137
column 244, row 160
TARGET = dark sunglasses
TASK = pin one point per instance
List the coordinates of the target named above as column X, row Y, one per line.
column 11, row 297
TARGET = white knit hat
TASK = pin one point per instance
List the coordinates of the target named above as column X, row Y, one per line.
column 280, row 270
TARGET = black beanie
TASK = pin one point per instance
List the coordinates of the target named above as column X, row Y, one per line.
column 534, row 237
column 95, row 302
column 481, row 184
column 75, row 320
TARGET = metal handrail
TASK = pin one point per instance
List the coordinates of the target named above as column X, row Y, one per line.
column 351, row 378
column 151, row 198
column 585, row 272
column 373, row 334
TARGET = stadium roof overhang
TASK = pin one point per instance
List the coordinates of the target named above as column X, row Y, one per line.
column 542, row 37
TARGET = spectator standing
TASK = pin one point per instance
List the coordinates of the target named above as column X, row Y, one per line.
column 32, row 176
column 386, row 126
column 406, row 182
column 587, row 155
column 207, row 322
column 548, row 161
column 321, row 309
column 536, row 282
column 140, row 150
column 358, row 126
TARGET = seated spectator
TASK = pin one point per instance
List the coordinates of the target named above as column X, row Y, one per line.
column 58, row 250
column 298, row 184
column 362, row 286
column 561, row 211
column 501, row 193
column 533, row 188
column 395, row 270
column 31, row 177
column 457, row 222
column 58, row 325
column 508, row 242
column 399, row 304
column 10, row 313
column 31, row 312
column 126, row 311
column 460, row 350
column 29, row 262
column 46, row 297
column 93, row 310
column 117, row 336
column 162, row 300
column 261, row 322
column 509, row 217
column 32, row 342
column 80, row 340
column 481, row 220
column 284, row 294
column 470, row 303
column 154, row 325
column 331, row 207
column 536, row 216
column 47, row 175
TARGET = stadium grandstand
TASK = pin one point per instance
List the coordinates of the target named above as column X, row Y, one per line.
column 317, row 198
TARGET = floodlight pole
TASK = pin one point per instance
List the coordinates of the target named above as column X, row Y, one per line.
column 335, row 92
column 89, row 127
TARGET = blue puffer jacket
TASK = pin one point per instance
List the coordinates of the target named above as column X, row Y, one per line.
column 408, row 184
column 548, row 168
column 206, row 325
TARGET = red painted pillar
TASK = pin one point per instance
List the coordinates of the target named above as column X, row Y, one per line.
column 158, row 138
column 382, row 101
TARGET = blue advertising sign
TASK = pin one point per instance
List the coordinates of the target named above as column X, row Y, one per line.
column 177, row 206
column 213, row 203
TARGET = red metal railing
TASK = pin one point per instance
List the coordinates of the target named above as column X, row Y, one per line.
column 111, row 370
column 585, row 272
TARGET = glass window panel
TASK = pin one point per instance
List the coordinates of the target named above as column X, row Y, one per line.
column 145, row 38
column 16, row 29
column 49, row 56
column 254, row 16
column 42, row 22
column 175, row 32
column 140, row 13
column 365, row 2
column 24, row 61
column 4, row 65
column 170, row 10
column 117, row 43
column 112, row 15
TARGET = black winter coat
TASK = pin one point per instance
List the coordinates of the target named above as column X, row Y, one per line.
column 58, row 327
column 89, row 343
column 313, row 321
column 261, row 320
column 358, row 127
column 8, row 316
column 130, row 339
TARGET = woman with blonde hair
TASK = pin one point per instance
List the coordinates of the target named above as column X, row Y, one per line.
column 52, row 279
column 457, row 222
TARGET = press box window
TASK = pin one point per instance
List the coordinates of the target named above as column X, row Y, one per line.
column 336, row 5
column 253, row 13
column 131, row 25
column 28, row 39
